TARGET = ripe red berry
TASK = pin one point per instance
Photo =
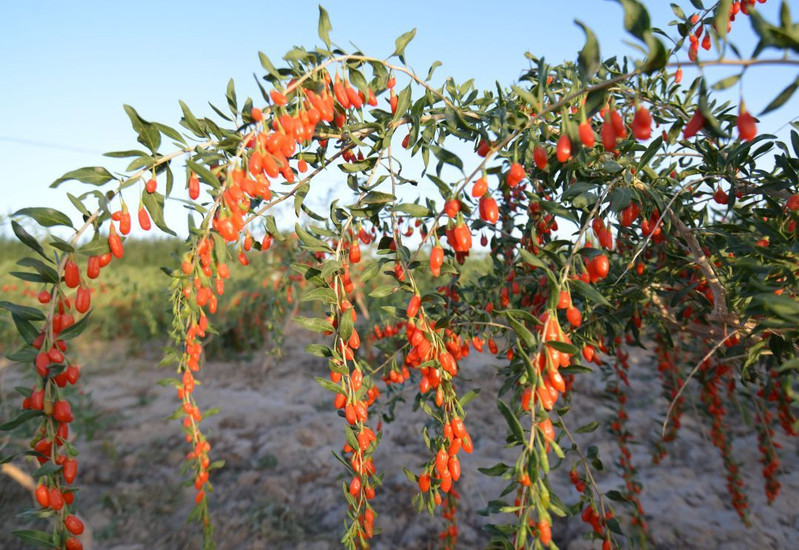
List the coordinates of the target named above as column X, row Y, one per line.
column 43, row 496
column 642, row 123
column 694, row 125
column 515, row 174
column 480, row 188
column 540, row 157
column 587, row 134
column 436, row 260
column 564, row 150
column 747, row 128
column 74, row 525
column 488, row 209
column 62, row 412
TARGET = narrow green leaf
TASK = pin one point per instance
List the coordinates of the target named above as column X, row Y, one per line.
column 636, row 18
column 401, row 42
column 154, row 203
column 589, row 59
column 722, row 19
column 27, row 238
column 46, row 217
column 728, row 82
column 24, row 312
column 324, row 26
column 329, row 385
column 314, row 324
column 20, row 419
column 588, row 428
column 403, row 103
column 94, row 175
column 320, row 294
column 383, row 291
column 513, row 423
column 589, row 292
column 299, row 196
column 230, row 95
column 266, row 64
column 36, row 538
column 650, row 152
column 781, row 98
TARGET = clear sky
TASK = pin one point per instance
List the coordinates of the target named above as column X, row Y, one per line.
column 68, row 67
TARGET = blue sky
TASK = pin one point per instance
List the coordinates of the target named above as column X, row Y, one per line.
column 69, row 67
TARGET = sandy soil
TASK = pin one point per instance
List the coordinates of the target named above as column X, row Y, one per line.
column 281, row 486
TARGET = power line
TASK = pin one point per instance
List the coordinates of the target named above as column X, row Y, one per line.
column 42, row 144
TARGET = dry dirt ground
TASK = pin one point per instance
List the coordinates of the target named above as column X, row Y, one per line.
column 281, row 486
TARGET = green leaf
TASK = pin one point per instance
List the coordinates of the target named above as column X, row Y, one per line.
column 314, row 324
column 309, row 240
column 383, row 291
column 513, row 422
column 154, row 203
column 589, row 292
column 376, row 197
column 401, row 42
column 494, row 471
column 271, row 228
column 414, row 210
column 321, row 294
column 190, row 121
column 650, row 152
column 636, row 18
column 20, row 419
column 27, row 238
column 24, row 312
column 149, row 135
column 657, row 57
column 432, row 68
column 47, row 469
column 588, row 60
column 76, row 202
column 230, row 95
column 728, row 82
column 722, row 18
column 318, row 350
column 782, row 306
column 588, row 428
column 299, row 196
column 471, row 394
column 531, row 259
column 346, row 326
column 563, row 347
column 329, row 385
column 46, row 217
column 266, row 64
column 403, row 103
column 95, row 247
column 781, row 98
column 49, row 274
column 620, row 198
column 203, row 173
column 36, row 538
column 446, row 157
column 324, row 26
column 521, row 331
column 94, row 175
column 75, row 330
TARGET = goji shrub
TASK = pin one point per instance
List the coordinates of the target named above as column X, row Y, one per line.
column 618, row 207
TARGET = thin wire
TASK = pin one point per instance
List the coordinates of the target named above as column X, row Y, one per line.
column 34, row 143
